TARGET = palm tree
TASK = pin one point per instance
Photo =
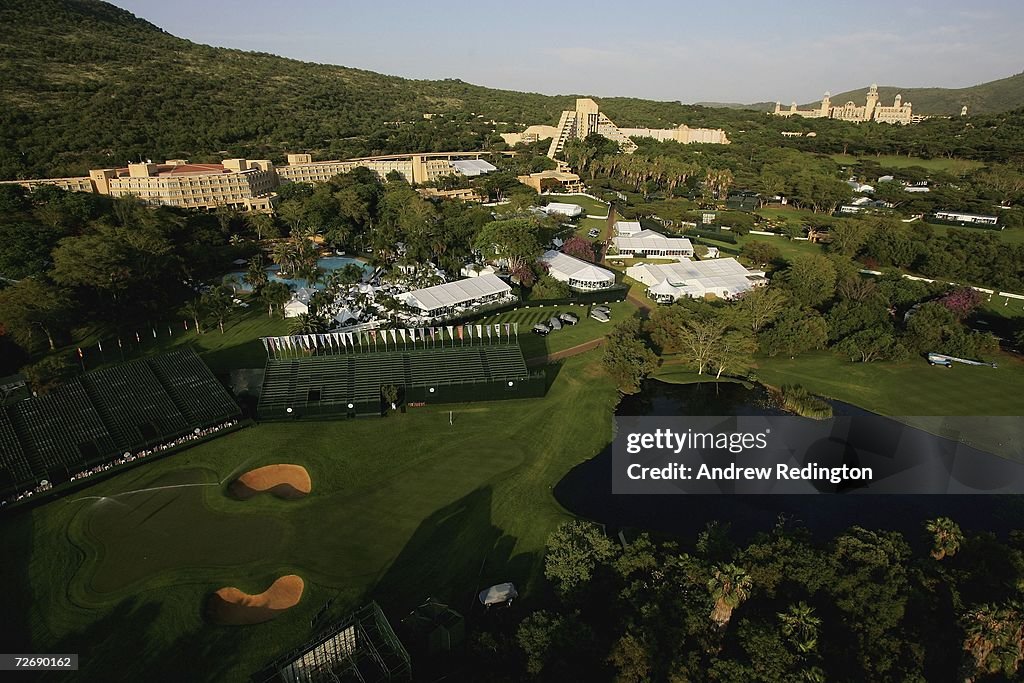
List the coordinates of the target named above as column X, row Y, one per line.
column 275, row 294
column 195, row 310
column 307, row 323
column 800, row 625
column 946, row 536
column 218, row 304
column 256, row 276
column 260, row 223
column 994, row 637
column 286, row 255
column 729, row 587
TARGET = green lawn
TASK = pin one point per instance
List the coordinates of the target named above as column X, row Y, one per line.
column 237, row 347
column 587, row 224
column 908, row 388
column 591, row 207
column 570, row 335
column 893, row 161
column 788, row 248
column 402, row 508
column 790, row 215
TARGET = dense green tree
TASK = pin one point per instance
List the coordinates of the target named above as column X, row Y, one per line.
column 626, row 357
column 794, row 332
column 810, row 280
column 30, row 308
column 575, row 551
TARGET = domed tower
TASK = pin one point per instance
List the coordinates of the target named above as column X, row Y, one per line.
column 963, row 110
column 826, row 104
column 898, row 102
column 778, row 107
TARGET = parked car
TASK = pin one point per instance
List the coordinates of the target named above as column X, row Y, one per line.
column 600, row 316
column 541, row 329
column 593, row 233
column 604, row 309
column 554, row 323
column 568, row 318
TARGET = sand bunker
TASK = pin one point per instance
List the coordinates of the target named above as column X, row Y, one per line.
column 231, row 607
column 284, row 481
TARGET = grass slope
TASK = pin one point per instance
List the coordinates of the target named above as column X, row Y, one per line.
column 400, row 509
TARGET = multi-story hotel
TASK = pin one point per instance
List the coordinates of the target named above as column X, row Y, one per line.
column 900, row 112
column 587, row 118
column 248, row 185
column 415, row 168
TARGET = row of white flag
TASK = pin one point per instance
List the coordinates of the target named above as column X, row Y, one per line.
column 368, row 338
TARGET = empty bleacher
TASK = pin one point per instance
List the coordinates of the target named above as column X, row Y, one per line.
column 328, row 384
column 105, row 413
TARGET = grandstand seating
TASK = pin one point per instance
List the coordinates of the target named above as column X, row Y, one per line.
column 333, row 381
column 105, row 413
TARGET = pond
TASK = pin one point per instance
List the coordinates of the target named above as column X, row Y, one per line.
column 328, row 265
column 586, row 490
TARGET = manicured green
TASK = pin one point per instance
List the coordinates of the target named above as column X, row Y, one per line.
column 908, row 388
column 402, row 508
column 914, row 388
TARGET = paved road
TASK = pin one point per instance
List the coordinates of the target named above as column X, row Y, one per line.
column 566, row 353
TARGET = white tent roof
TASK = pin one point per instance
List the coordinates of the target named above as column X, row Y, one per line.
column 564, row 209
column 664, row 287
column 577, row 269
column 473, row 167
column 495, row 595
column 454, row 293
column 648, row 239
column 627, row 227
column 723, row 273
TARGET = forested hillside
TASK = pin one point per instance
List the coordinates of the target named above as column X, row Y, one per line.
column 86, row 84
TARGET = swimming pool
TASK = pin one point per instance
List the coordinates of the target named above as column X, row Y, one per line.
column 327, row 264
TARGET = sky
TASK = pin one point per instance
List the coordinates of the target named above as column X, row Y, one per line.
column 716, row 50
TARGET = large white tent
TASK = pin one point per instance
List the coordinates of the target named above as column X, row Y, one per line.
column 724, row 277
column 652, row 245
column 576, row 273
column 439, row 299
column 570, row 210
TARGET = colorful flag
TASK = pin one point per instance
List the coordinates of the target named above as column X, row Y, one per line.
column 507, row 326
column 138, row 339
column 186, row 325
column 119, row 343
column 401, row 333
column 488, row 331
column 497, row 329
column 154, row 333
column 394, row 336
column 266, row 345
column 460, row 332
column 80, row 352
column 451, row 332
column 479, row 331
